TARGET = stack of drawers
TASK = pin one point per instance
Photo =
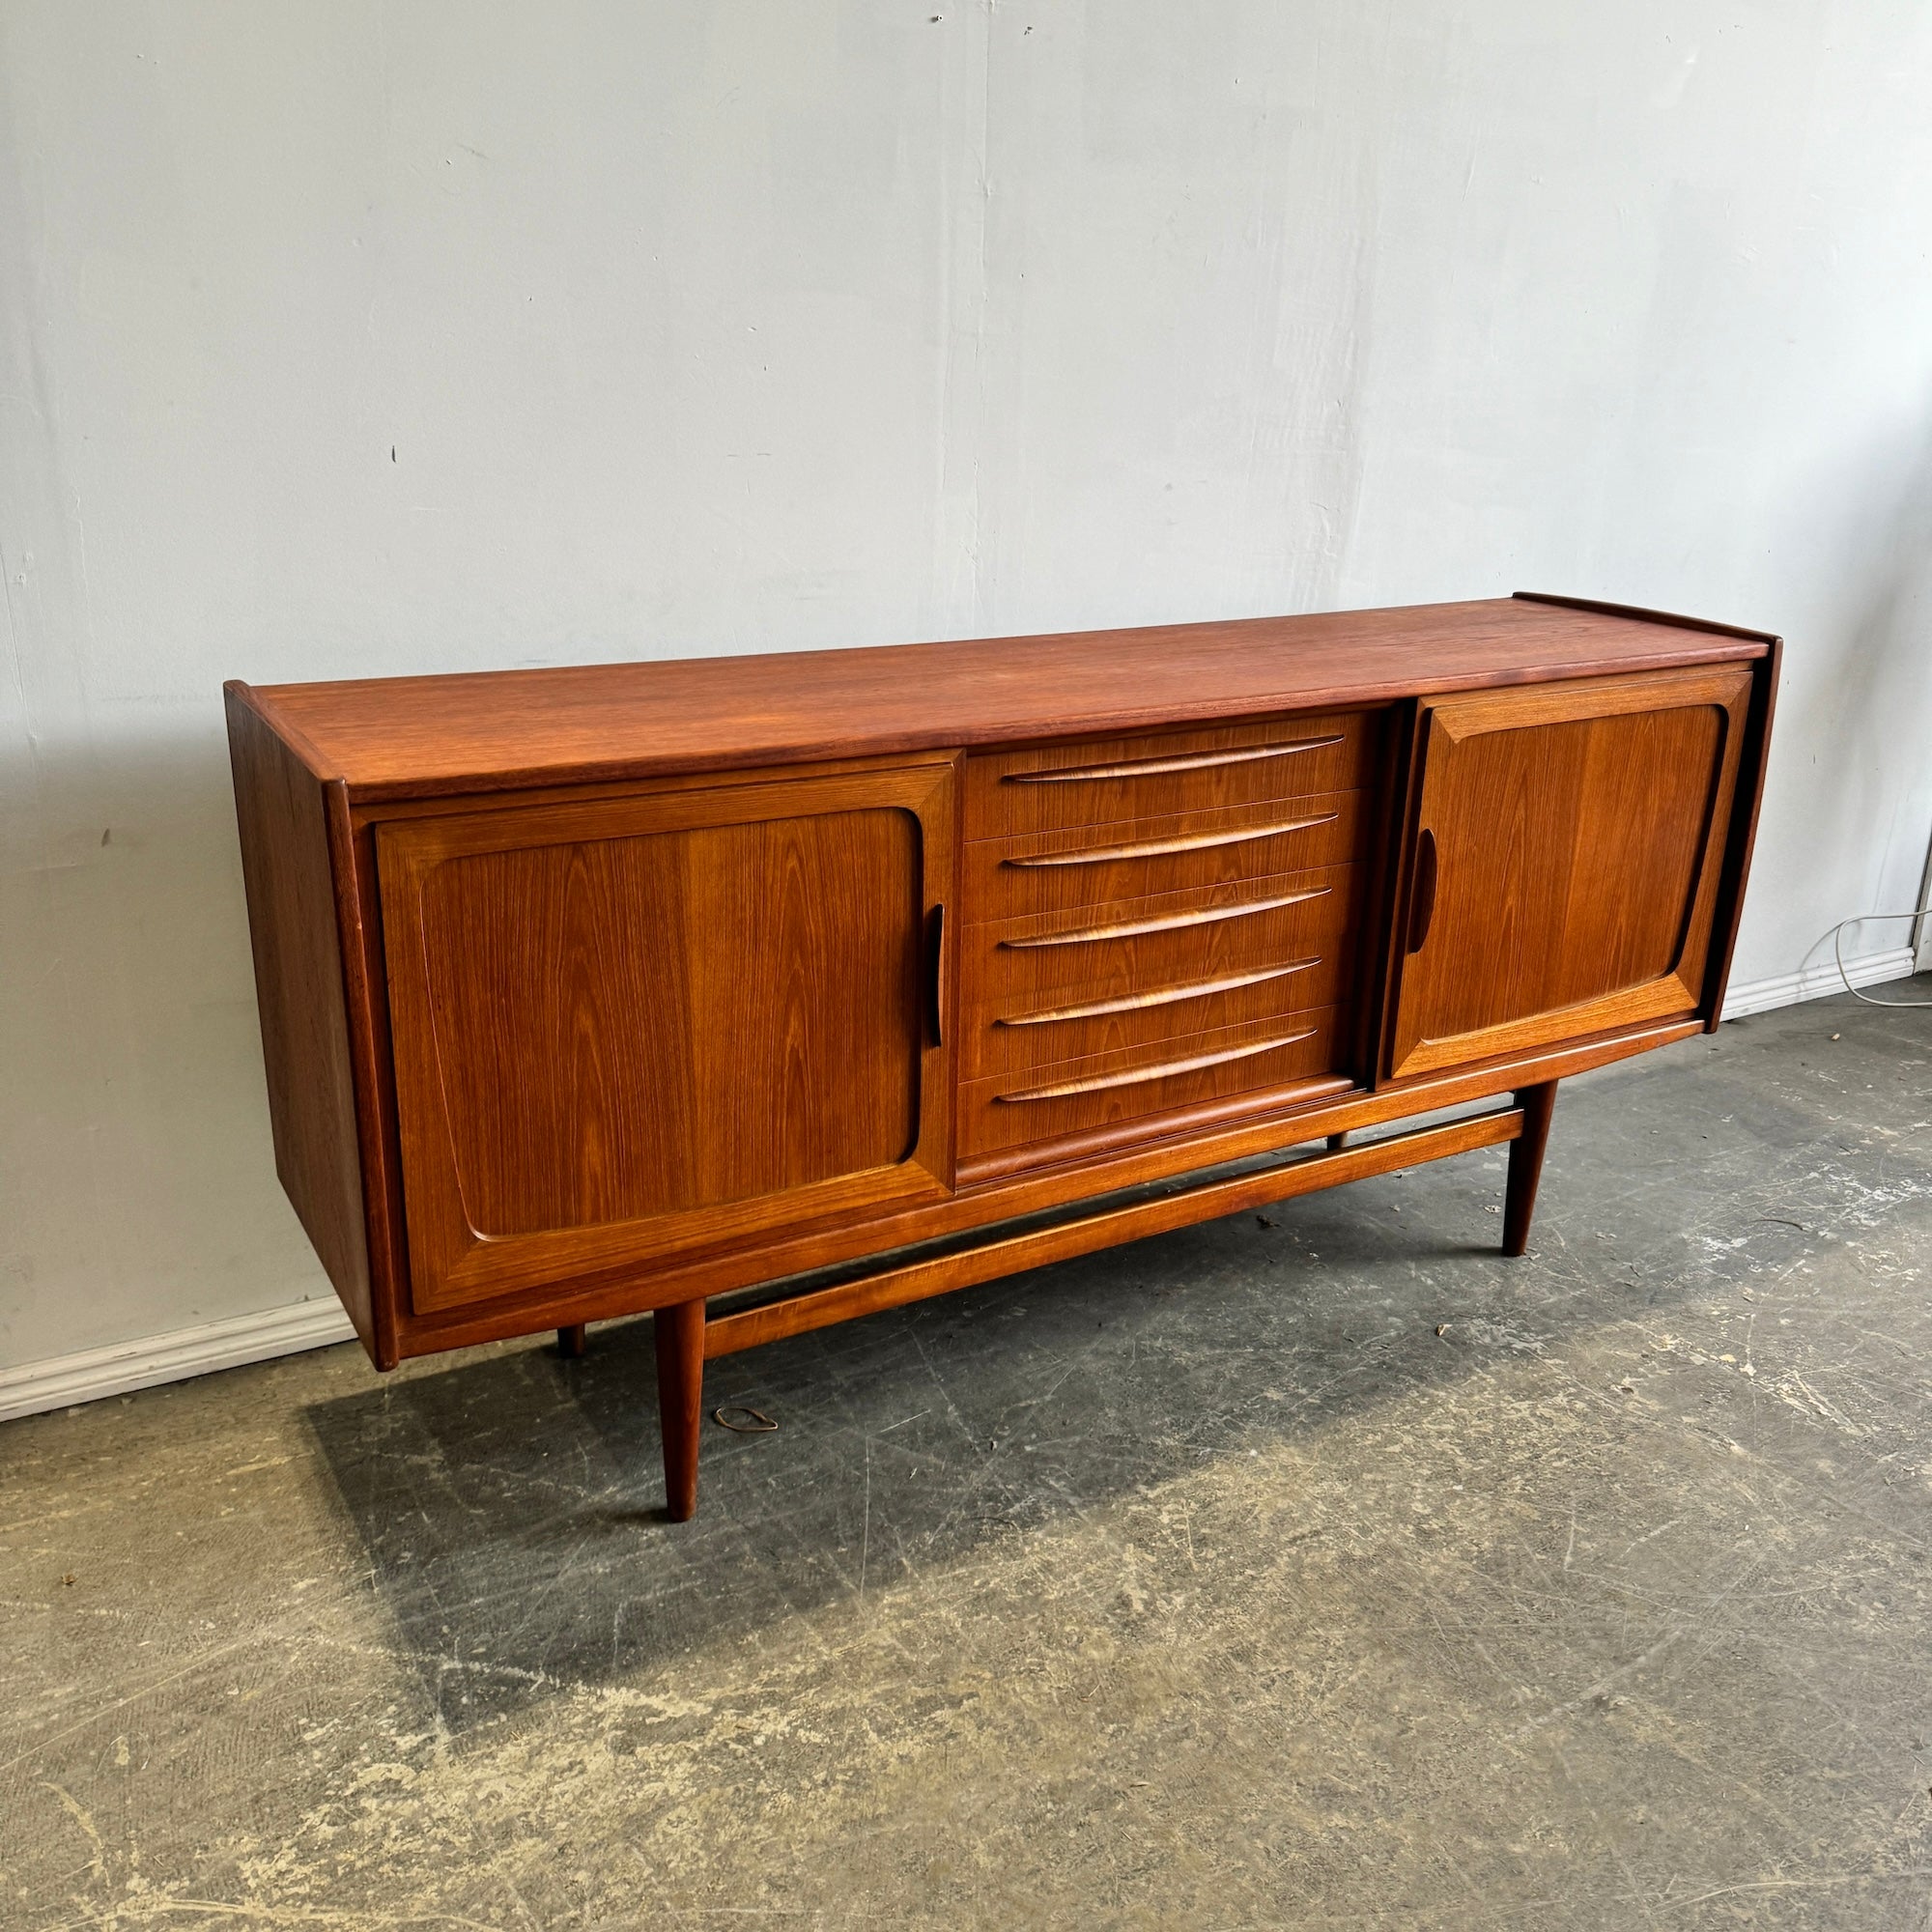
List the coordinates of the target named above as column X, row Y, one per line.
column 1156, row 924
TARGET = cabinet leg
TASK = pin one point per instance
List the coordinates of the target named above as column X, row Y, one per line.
column 571, row 1342
column 1525, row 1164
column 680, row 1340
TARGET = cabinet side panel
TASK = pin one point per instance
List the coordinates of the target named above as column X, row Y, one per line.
column 298, row 988
column 1750, row 797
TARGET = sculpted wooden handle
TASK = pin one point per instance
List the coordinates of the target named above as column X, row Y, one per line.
column 1150, row 848
column 1207, row 916
column 936, row 970
column 1160, row 995
column 1140, row 768
column 1166, row 1070
column 1422, row 900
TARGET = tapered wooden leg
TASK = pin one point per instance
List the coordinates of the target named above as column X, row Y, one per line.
column 573, row 1341
column 680, row 1340
column 1337, row 1142
column 1525, row 1168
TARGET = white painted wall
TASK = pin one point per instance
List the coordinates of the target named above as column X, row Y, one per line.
column 355, row 338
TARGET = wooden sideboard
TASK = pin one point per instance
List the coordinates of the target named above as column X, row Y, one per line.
column 767, row 991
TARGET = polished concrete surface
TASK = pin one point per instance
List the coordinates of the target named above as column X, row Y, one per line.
column 1314, row 1568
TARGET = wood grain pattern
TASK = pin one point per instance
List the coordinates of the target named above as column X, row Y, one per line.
column 1086, row 1149
column 1025, row 1046
column 1017, row 968
column 1143, row 1081
column 287, row 873
column 1109, row 781
column 1643, row 614
column 1139, row 1076
column 1153, row 848
column 1139, row 925
column 415, row 737
column 728, row 1332
column 1575, row 833
column 709, row 1008
column 1068, row 870
column 1160, row 995
column 1290, row 745
column 631, row 993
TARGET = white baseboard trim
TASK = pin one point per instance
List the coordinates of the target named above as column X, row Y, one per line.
column 1816, row 983
column 240, row 1339
column 90, row 1374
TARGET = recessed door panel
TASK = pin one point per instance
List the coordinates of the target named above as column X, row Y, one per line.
column 1562, row 873
column 627, row 1025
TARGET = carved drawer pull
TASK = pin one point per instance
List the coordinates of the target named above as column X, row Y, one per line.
column 1153, row 847
column 1136, row 768
column 1196, row 989
column 1205, row 917
column 1161, row 1072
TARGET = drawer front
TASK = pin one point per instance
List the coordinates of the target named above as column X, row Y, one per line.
column 1020, row 967
column 1038, row 1033
column 1241, row 1064
column 1162, row 774
column 1076, row 868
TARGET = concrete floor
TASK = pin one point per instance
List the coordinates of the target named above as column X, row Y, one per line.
column 1314, row 1569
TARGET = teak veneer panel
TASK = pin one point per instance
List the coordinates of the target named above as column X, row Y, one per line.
column 488, row 730
column 621, row 1025
column 1068, row 869
column 1096, row 784
column 1577, row 834
column 1017, row 968
column 282, row 820
column 1020, row 1107
column 1082, row 1028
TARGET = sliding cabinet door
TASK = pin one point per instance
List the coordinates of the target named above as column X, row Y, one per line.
column 1562, row 872
column 631, row 1027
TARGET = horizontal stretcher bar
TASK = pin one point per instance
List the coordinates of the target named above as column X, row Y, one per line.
column 915, row 1281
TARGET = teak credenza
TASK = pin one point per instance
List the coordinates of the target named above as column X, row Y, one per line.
column 766, row 991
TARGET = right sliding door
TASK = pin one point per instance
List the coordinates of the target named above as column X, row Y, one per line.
column 1562, row 874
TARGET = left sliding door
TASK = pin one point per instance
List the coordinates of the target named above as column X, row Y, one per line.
column 630, row 1028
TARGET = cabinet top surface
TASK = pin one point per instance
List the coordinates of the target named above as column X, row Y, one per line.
column 484, row 730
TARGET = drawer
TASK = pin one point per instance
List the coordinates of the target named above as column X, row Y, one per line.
column 1245, row 1066
column 1078, row 1029
column 1160, row 774
column 1020, row 968
column 1089, row 865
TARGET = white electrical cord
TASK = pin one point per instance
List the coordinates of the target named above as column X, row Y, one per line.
column 1873, row 918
